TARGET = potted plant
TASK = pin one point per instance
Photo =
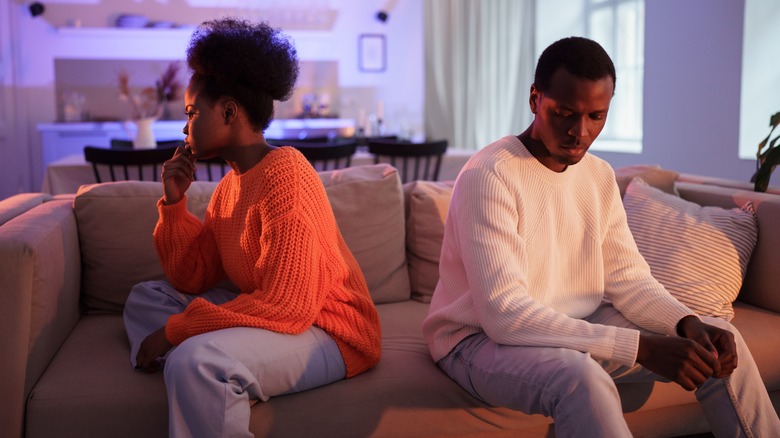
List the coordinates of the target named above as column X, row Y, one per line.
column 150, row 104
column 768, row 156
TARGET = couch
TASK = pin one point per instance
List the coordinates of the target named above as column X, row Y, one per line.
column 68, row 265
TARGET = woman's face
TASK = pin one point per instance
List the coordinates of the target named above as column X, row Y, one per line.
column 206, row 131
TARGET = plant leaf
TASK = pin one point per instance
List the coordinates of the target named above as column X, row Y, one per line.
column 761, row 177
column 774, row 120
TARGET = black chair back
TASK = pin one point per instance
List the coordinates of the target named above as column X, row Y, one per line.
column 215, row 163
column 142, row 164
column 118, row 143
column 285, row 141
column 414, row 161
column 126, row 159
column 329, row 155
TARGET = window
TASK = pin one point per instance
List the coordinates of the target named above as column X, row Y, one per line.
column 760, row 75
column 619, row 26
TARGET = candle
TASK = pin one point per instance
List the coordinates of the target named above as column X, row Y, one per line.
column 380, row 110
column 361, row 122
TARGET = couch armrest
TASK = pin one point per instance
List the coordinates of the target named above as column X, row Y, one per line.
column 760, row 285
column 40, row 276
column 18, row 204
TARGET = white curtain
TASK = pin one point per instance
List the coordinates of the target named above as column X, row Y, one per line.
column 479, row 64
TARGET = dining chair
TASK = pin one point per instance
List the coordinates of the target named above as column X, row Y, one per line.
column 213, row 164
column 125, row 159
column 314, row 139
column 363, row 141
column 424, row 158
column 328, row 155
column 119, row 143
column 146, row 163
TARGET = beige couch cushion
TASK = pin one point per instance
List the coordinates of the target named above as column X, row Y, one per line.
column 368, row 205
column 653, row 175
column 116, row 221
column 427, row 203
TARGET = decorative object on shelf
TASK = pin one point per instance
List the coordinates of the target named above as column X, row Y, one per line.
column 36, row 9
column 73, row 106
column 168, row 88
column 766, row 160
column 372, row 55
column 144, row 134
column 151, row 103
column 131, row 21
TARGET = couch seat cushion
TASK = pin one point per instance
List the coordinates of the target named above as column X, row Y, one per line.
column 90, row 389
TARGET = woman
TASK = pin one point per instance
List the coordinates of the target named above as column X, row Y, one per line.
column 303, row 317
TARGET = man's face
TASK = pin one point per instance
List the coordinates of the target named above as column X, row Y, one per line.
column 568, row 118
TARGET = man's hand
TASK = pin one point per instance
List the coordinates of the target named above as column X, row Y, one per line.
column 154, row 346
column 678, row 359
column 716, row 340
column 702, row 351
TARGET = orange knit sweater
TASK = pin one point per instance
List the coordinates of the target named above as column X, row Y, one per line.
column 272, row 232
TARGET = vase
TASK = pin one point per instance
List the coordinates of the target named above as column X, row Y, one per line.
column 144, row 135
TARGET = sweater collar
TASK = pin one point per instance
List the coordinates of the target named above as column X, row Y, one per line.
column 537, row 168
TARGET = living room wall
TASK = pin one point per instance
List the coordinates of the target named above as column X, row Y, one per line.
column 692, row 90
column 693, row 59
column 30, row 45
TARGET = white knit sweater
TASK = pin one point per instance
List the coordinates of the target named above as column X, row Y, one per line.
column 529, row 252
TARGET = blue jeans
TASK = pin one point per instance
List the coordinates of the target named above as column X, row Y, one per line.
column 213, row 378
column 579, row 393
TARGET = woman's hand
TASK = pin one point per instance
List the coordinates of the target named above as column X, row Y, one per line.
column 154, row 346
column 177, row 175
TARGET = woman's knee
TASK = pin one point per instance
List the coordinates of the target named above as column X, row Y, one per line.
column 193, row 360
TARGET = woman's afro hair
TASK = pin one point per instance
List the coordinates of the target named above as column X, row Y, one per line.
column 254, row 64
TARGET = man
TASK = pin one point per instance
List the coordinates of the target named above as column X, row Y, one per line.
column 544, row 301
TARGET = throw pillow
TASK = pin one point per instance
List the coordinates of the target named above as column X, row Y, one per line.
column 427, row 203
column 700, row 254
column 653, row 175
column 115, row 222
column 367, row 202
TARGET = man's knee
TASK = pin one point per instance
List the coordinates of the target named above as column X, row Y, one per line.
column 578, row 373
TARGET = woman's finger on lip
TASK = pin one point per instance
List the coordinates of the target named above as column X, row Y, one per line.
column 189, row 151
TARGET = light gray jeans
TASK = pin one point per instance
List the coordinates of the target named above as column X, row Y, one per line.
column 212, row 377
column 579, row 393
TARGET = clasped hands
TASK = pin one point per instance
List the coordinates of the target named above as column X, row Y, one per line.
column 702, row 351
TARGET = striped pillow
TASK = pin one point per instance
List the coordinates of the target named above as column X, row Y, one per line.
column 700, row 254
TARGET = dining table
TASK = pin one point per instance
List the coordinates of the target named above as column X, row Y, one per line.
column 66, row 175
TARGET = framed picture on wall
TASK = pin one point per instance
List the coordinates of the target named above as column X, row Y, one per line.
column 372, row 53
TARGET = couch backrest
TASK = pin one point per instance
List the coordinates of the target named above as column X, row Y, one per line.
column 116, row 221
column 427, row 204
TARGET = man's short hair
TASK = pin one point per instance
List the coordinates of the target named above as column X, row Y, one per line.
column 580, row 56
